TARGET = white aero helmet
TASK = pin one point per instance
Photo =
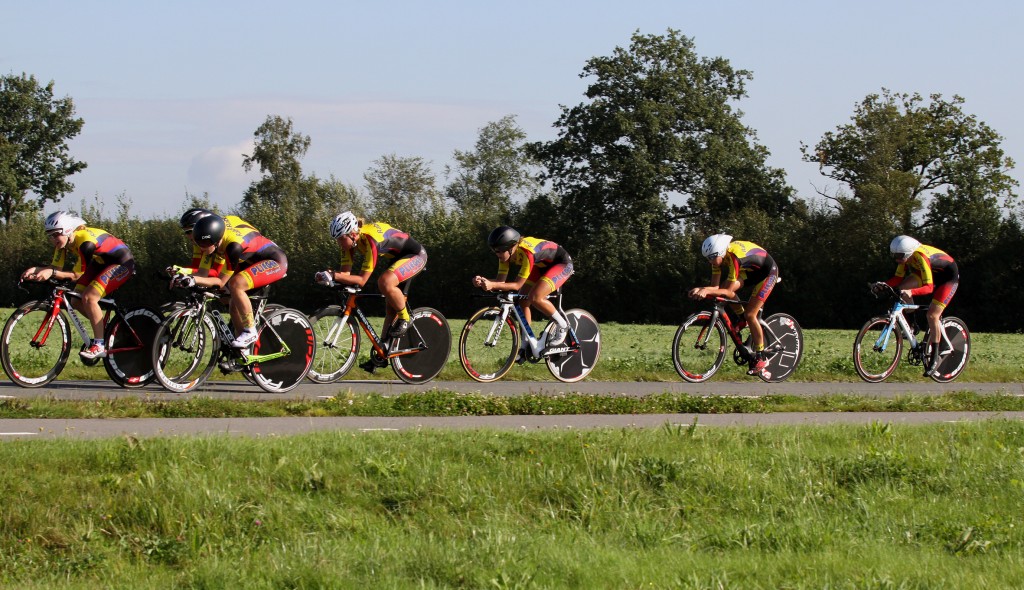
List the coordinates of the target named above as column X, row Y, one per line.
column 904, row 246
column 343, row 223
column 63, row 221
column 715, row 245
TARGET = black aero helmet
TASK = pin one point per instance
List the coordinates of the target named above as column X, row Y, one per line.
column 208, row 230
column 190, row 217
column 502, row 238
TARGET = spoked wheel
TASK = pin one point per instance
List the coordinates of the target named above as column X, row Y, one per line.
column 32, row 361
column 698, row 348
column 784, row 343
column 284, row 327
column 135, row 332
column 488, row 346
column 429, row 332
column 573, row 366
column 953, row 361
column 337, row 345
column 877, row 349
column 185, row 350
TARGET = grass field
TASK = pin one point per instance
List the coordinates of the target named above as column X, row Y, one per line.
column 632, row 352
column 873, row 507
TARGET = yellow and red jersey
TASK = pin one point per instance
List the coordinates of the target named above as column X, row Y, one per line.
column 744, row 260
column 214, row 263
column 92, row 245
column 930, row 265
column 534, row 252
column 378, row 240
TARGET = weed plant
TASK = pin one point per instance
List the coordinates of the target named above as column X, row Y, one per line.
column 845, row 507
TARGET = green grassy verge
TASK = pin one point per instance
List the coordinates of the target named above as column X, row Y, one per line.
column 448, row 403
column 631, row 352
column 876, row 506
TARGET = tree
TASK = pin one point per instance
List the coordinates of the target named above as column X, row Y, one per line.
column 402, row 191
column 277, row 151
column 34, row 131
column 486, row 181
column 900, row 155
column 659, row 124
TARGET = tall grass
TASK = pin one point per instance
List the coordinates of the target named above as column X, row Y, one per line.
column 878, row 506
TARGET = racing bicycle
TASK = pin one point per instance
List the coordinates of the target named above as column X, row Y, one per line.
column 699, row 346
column 37, row 339
column 879, row 343
column 196, row 338
column 416, row 357
column 497, row 337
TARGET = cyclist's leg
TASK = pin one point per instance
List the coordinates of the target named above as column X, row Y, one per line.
column 257, row 275
column 941, row 297
column 402, row 270
column 554, row 277
column 97, row 282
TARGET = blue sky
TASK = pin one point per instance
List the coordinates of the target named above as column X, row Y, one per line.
column 171, row 92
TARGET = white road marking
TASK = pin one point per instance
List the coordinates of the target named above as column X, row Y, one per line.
column 18, row 433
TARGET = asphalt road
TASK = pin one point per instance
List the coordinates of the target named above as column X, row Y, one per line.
column 149, row 427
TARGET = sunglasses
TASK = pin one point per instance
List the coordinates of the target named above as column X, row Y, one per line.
column 54, row 233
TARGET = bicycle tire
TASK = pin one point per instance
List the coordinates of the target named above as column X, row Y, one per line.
column 132, row 368
column 427, row 328
column 575, row 365
column 954, row 363
column 874, row 365
column 292, row 328
column 337, row 346
column 185, row 350
column 484, row 352
column 783, row 332
column 26, row 365
column 697, row 353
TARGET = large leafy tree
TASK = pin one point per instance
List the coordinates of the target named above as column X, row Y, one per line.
column 403, row 191
column 657, row 142
column 913, row 166
column 34, row 158
column 487, row 181
column 277, row 151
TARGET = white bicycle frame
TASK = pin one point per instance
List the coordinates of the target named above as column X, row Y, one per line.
column 896, row 318
column 526, row 335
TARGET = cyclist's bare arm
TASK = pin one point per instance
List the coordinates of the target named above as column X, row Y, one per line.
column 499, row 283
column 346, row 277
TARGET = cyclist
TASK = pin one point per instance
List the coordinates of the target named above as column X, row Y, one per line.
column 104, row 264
column 745, row 263
column 544, row 266
column 252, row 261
column 375, row 241
column 923, row 270
column 202, row 265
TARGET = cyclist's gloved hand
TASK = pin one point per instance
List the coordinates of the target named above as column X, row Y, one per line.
column 173, row 270
column 324, row 278
column 878, row 287
column 185, row 281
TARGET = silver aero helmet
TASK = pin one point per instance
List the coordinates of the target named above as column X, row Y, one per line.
column 903, row 246
column 343, row 223
column 715, row 245
column 63, row 221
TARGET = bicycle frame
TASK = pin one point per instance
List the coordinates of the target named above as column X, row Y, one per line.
column 719, row 313
column 899, row 321
column 507, row 302
column 203, row 308
column 59, row 298
column 352, row 309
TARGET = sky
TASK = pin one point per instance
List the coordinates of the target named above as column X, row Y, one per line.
column 172, row 92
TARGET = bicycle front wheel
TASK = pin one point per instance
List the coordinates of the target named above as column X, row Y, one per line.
column 698, row 348
column 129, row 342
column 784, row 347
column 877, row 349
column 289, row 328
column 337, row 345
column 33, row 351
column 428, row 332
column 575, row 365
column 184, row 350
column 953, row 361
column 487, row 345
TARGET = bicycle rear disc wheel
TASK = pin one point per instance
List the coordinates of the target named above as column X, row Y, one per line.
column 698, row 348
column 784, row 343
column 185, row 350
column 28, row 365
column 337, row 346
column 875, row 357
column 133, row 367
column 488, row 346
column 951, row 365
column 289, row 327
column 429, row 329
column 573, row 366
